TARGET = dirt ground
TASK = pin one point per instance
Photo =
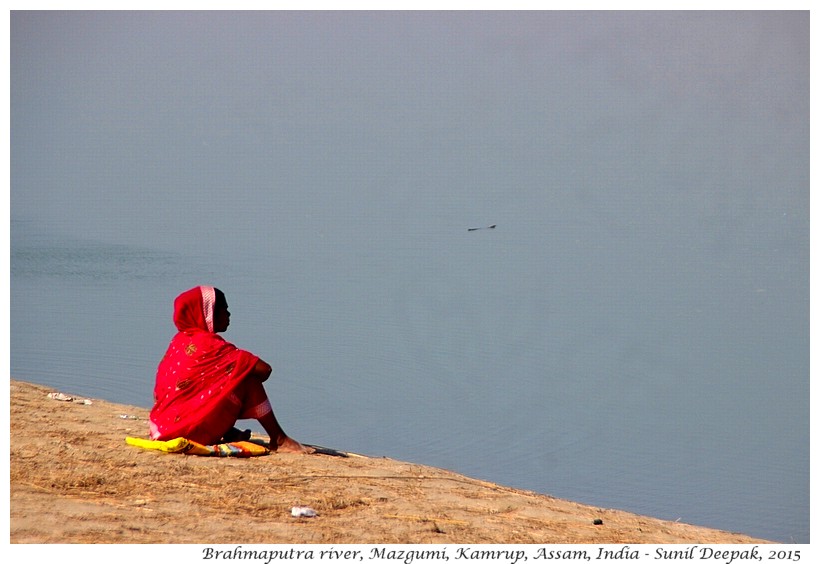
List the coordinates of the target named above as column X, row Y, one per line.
column 73, row 479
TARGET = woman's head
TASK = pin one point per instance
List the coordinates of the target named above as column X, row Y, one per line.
column 222, row 317
column 202, row 308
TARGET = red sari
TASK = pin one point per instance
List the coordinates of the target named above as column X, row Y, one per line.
column 202, row 381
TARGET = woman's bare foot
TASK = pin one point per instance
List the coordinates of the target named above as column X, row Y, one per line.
column 286, row 444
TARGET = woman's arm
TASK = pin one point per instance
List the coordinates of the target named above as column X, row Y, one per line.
column 261, row 370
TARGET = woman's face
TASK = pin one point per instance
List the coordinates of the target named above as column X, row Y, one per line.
column 222, row 317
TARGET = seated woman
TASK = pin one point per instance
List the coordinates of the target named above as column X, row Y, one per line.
column 204, row 384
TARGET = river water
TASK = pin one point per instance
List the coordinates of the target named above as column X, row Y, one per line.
column 653, row 392
column 633, row 334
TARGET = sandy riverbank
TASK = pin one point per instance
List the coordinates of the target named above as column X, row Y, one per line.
column 71, row 469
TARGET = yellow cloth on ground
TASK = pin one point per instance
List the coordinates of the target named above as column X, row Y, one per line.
column 186, row 446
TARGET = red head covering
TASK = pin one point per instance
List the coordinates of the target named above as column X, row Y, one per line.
column 199, row 370
column 194, row 309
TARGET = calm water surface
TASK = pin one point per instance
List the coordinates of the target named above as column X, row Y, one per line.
column 635, row 332
column 466, row 351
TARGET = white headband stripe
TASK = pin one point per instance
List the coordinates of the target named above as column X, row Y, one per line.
column 208, row 300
